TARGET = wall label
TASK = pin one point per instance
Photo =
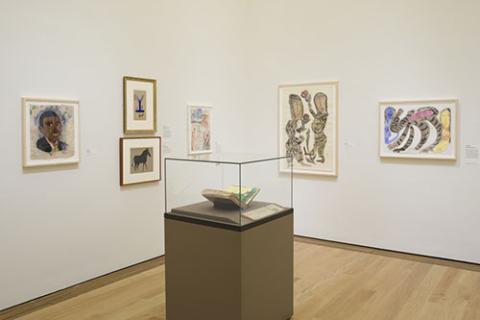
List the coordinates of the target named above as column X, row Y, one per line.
column 472, row 154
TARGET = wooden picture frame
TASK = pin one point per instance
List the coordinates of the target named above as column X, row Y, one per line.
column 301, row 106
column 50, row 130
column 418, row 129
column 139, row 105
column 140, row 160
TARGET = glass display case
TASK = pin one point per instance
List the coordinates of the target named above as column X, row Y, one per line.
column 227, row 189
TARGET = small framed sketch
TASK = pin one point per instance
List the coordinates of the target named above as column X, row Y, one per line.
column 140, row 160
column 418, row 129
column 50, row 132
column 199, row 129
column 139, row 105
column 308, row 121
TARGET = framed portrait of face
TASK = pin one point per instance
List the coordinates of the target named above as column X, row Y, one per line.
column 139, row 105
column 50, row 132
column 140, row 160
column 199, row 129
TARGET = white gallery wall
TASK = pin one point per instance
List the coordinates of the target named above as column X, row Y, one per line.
column 377, row 50
column 61, row 226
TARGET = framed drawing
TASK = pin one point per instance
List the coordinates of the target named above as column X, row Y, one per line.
column 139, row 105
column 140, row 160
column 50, row 132
column 308, row 117
column 418, row 129
column 199, row 129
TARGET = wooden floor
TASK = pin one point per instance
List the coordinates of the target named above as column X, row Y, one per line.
column 330, row 283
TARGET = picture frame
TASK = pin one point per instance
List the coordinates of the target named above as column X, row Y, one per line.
column 139, row 105
column 50, row 129
column 140, row 160
column 199, row 131
column 308, row 128
column 418, row 129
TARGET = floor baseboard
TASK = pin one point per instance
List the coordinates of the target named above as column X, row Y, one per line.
column 78, row 289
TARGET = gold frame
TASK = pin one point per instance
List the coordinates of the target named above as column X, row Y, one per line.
column 154, row 84
column 334, row 83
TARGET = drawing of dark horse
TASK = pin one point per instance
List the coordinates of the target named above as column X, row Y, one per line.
column 141, row 160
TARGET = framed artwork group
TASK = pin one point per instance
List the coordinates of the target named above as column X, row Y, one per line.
column 51, row 132
column 140, row 156
column 308, row 130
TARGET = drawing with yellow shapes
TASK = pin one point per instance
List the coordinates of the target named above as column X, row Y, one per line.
column 445, row 118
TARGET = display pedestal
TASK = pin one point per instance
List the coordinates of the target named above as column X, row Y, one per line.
column 218, row 271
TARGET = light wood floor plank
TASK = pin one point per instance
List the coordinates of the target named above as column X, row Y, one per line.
column 331, row 283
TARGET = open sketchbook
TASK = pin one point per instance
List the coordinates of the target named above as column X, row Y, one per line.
column 233, row 196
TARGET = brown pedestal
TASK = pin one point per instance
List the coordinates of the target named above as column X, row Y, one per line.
column 224, row 272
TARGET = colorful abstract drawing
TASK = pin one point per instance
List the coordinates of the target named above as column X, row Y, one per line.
column 199, row 130
column 308, row 128
column 418, row 129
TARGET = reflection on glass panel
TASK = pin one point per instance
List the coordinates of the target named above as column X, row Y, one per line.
column 235, row 189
